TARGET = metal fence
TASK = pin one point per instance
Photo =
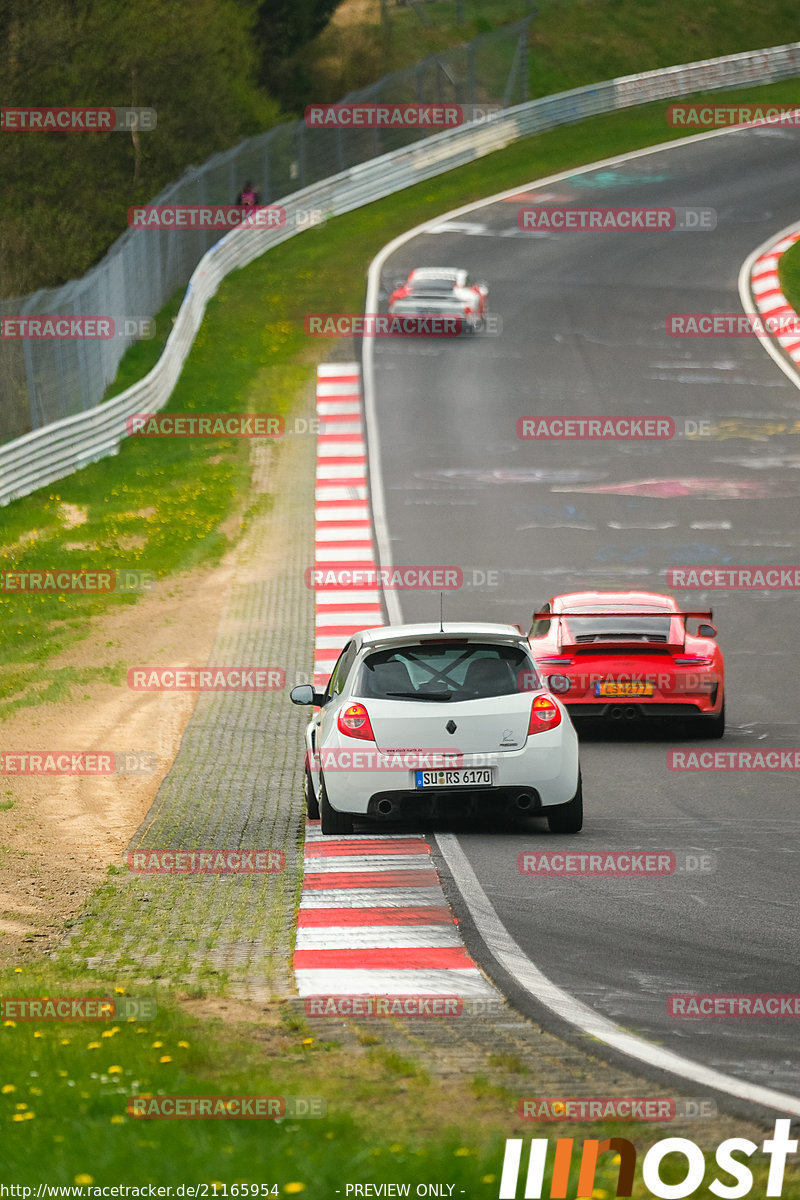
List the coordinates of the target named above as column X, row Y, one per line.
column 41, row 382
column 44, row 455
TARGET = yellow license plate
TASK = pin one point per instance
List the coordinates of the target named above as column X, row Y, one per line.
column 615, row 689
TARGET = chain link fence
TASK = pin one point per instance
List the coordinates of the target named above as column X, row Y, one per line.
column 44, row 381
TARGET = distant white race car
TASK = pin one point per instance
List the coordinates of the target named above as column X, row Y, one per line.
column 441, row 291
column 419, row 720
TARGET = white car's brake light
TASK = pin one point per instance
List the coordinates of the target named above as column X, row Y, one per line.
column 545, row 714
column 354, row 722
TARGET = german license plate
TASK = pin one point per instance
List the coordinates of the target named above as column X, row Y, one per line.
column 464, row 777
column 617, row 689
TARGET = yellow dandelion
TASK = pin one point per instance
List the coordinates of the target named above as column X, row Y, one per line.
column 488, row 1178
column 165, row 1058
column 93, row 1046
column 119, row 991
column 34, row 1091
column 20, row 1107
column 308, row 1041
column 84, row 1179
column 184, row 1045
column 6, row 1088
column 65, row 1042
column 18, row 1117
column 115, row 1070
column 294, row 1187
column 117, row 1119
column 157, row 1045
column 107, row 1033
column 17, row 970
column 38, row 1034
column 462, row 1152
column 63, row 1074
column 599, row 1194
column 141, row 1029
column 10, row 1024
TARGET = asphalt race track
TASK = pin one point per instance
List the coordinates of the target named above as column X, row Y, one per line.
column 583, row 334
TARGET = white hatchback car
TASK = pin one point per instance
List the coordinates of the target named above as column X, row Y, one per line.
column 424, row 721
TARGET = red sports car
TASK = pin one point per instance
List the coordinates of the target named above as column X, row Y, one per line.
column 629, row 655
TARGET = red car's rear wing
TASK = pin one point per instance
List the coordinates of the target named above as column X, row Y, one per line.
column 704, row 614
column 640, row 643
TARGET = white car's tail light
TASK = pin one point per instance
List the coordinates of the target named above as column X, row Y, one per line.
column 555, row 660
column 354, row 722
column 545, row 714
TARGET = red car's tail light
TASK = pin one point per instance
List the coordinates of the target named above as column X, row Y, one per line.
column 692, row 660
column 545, row 714
column 354, row 722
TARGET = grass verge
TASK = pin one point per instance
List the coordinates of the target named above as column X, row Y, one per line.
column 789, row 275
column 65, row 1087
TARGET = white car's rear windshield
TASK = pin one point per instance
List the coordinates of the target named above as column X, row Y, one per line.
column 445, row 671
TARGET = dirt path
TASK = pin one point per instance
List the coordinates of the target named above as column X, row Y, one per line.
column 60, row 834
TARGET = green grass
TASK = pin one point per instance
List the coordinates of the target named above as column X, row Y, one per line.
column 789, row 275
column 161, row 504
column 572, row 42
column 64, row 1088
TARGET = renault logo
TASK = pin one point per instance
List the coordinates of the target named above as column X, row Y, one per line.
column 451, row 727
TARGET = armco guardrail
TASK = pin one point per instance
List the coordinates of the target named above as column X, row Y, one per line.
column 44, row 455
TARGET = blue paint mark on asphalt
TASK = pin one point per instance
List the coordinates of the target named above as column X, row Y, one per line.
column 612, row 179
